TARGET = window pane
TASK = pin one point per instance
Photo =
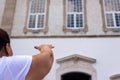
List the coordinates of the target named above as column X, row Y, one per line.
column 70, row 20
column 40, row 21
column 117, row 18
column 78, row 6
column 32, row 21
column 117, row 5
column 109, row 18
column 74, row 6
column 112, row 5
column 107, row 5
column 79, row 20
column 70, row 6
column 37, row 6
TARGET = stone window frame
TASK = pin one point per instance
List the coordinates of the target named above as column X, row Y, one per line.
column 85, row 29
column 45, row 30
column 115, row 77
column 76, row 63
column 105, row 28
column 8, row 15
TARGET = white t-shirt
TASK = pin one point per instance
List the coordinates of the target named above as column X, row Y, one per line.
column 14, row 67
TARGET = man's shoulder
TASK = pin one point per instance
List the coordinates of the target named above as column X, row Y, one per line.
column 16, row 65
column 11, row 60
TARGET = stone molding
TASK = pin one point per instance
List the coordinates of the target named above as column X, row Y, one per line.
column 8, row 15
column 76, row 63
column 76, row 57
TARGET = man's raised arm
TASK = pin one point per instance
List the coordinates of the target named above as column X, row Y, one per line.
column 41, row 63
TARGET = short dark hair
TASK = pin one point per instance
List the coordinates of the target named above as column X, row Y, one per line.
column 4, row 38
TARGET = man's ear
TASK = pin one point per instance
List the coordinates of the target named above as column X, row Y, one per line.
column 8, row 50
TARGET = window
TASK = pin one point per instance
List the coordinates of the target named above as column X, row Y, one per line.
column 112, row 13
column 37, row 17
column 37, row 13
column 74, row 14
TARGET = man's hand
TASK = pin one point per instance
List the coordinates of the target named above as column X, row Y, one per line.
column 44, row 46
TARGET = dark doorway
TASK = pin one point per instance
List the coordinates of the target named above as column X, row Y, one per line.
column 75, row 76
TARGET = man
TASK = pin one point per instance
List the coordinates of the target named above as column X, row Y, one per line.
column 34, row 67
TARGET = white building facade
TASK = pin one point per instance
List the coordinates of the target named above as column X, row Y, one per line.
column 85, row 33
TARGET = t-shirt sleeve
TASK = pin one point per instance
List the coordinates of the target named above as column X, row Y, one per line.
column 19, row 66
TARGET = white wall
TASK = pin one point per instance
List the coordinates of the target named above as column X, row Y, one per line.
column 104, row 50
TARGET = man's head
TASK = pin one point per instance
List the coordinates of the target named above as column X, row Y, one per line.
column 5, row 48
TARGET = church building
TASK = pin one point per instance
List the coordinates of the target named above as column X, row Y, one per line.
column 85, row 33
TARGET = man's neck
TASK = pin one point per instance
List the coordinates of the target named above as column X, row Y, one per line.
column 2, row 53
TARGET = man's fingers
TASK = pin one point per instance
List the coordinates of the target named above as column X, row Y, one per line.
column 36, row 47
column 44, row 45
column 51, row 46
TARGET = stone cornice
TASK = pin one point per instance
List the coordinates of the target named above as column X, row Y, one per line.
column 76, row 57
